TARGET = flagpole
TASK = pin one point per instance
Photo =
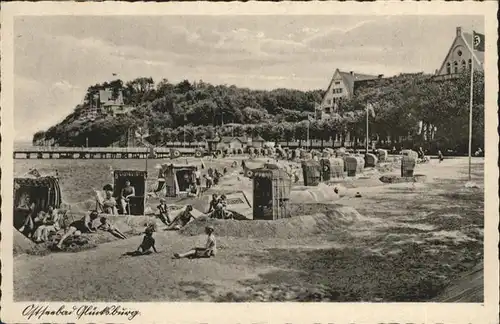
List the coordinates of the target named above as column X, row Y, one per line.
column 470, row 107
column 147, row 156
column 184, row 131
column 308, row 123
column 366, row 129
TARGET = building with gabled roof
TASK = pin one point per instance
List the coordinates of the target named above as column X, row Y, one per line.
column 460, row 55
column 341, row 87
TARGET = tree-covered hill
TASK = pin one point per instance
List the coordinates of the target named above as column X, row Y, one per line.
column 193, row 111
column 164, row 106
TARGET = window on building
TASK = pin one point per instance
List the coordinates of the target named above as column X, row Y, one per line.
column 337, row 82
column 448, row 68
column 455, row 67
column 464, row 66
column 327, row 110
column 329, row 101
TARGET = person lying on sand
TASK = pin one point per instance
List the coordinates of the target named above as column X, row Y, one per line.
column 108, row 227
column 84, row 225
column 163, row 210
column 208, row 251
column 182, row 219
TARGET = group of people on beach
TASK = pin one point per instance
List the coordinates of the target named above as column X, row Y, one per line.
column 41, row 225
column 115, row 205
column 149, row 243
column 181, row 220
column 38, row 225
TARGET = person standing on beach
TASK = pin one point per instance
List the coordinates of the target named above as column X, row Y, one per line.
column 208, row 181
column 163, row 209
column 197, row 175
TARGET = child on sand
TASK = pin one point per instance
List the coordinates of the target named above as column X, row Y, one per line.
column 108, row 227
column 208, row 251
column 148, row 242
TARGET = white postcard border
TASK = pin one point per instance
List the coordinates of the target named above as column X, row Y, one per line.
column 486, row 313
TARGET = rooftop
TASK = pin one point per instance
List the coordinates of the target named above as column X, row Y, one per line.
column 351, row 77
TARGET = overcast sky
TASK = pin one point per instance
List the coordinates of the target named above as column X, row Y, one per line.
column 57, row 58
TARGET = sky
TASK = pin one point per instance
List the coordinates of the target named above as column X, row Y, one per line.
column 58, row 57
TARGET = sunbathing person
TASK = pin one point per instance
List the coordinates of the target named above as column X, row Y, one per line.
column 208, row 251
column 182, row 219
column 28, row 209
column 163, row 209
column 193, row 190
column 213, row 203
column 48, row 223
column 109, row 204
column 108, row 227
column 84, row 225
column 148, row 243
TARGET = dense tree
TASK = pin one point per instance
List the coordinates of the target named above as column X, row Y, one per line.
column 195, row 111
